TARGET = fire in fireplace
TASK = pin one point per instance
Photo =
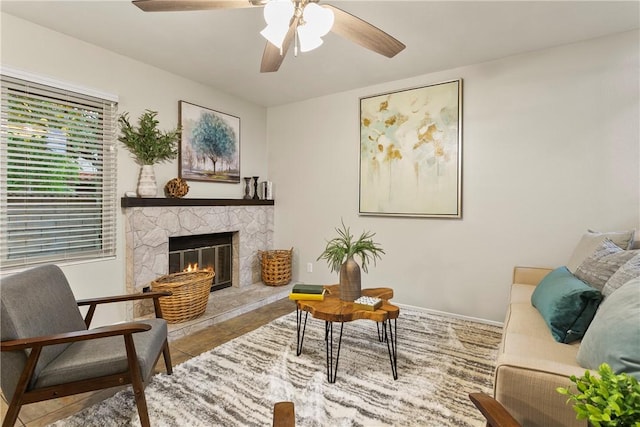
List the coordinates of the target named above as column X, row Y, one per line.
column 208, row 251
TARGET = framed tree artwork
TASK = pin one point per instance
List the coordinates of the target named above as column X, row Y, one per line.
column 411, row 152
column 210, row 145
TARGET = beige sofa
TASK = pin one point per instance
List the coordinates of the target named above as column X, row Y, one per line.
column 531, row 364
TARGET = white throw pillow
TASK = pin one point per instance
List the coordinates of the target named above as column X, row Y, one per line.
column 605, row 261
column 628, row 271
column 592, row 239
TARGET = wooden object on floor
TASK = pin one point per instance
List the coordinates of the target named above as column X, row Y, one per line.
column 284, row 415
column 333, row 309
column 493, row 411
column 43, row 330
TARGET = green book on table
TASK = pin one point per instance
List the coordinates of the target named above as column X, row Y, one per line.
column 304, row 288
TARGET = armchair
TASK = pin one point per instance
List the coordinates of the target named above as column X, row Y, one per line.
column 47, row 350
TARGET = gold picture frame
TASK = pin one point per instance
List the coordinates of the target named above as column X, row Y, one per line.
column 411, row 152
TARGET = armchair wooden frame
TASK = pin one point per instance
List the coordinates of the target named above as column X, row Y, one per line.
column 495, row 414
column 132, row 376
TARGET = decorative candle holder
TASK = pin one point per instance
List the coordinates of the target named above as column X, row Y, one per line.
column 255, row 188
column 247, row 187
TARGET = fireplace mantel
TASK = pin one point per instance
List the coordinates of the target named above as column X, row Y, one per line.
column 151, row 222
column 135, row 202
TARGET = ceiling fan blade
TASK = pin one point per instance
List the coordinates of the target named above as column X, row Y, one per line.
column 271, row 58
column 361, row 32
column 188, row 5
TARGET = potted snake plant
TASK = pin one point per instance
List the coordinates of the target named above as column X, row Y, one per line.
column 339, row 254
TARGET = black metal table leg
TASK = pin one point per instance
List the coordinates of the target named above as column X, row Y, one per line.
column 332, row 367
column 381, row 334
column 300, row 334
column 392, row 344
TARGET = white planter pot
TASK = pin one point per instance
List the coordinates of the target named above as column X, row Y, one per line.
column 147, row 182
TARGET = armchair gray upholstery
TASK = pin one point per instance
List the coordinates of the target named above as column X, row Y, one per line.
column 49, row 352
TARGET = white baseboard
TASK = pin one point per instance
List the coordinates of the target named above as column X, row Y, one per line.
column 444, row 313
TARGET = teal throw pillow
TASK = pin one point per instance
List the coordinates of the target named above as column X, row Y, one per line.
column 566, row 304
column 614, row 334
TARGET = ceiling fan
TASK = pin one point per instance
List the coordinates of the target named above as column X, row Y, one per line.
column 294, row 25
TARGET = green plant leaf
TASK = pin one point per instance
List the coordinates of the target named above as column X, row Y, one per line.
column 608, row 400
column 340, row 248
column 147, row 143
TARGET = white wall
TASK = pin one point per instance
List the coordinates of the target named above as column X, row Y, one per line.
column 41, row 51
column 551, row 148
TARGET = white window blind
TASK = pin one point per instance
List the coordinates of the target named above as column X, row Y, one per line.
column 57, row 174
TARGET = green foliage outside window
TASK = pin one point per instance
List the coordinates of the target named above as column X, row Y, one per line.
column 51, row 163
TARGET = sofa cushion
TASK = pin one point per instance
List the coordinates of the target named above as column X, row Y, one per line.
column 543, row 354
column 614, row 334
column 590, row 240
column 105, row 356
column 629, row 270
column 605, row 260
column 566, row 304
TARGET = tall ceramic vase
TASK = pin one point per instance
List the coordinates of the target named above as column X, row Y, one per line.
column 350, row 284
column 147, row 182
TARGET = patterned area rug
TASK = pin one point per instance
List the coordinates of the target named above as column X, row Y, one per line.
column 440, row 360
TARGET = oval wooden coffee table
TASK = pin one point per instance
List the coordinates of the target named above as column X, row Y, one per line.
column 332, row 309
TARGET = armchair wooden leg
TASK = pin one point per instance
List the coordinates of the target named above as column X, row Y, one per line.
column 167, row 358
column 136, row 381
column 16, row 401
column 12, row 413
column 141, row 402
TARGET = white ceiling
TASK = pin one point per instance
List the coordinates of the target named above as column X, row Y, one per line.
column 223, row 48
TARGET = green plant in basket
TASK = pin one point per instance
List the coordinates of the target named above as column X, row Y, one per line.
column 346, row 246
column 610, row 400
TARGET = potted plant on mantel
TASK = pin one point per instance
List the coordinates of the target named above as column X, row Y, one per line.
column 611, row 400
column 149, row 146
column 339, row 254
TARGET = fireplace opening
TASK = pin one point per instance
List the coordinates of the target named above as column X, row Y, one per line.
column 207, row 251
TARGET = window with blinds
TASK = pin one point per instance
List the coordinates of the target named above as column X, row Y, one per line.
column 57, row 174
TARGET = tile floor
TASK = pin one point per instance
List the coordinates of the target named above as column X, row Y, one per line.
column 232, row 315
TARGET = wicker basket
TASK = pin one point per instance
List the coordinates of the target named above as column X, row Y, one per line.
column 190, row 294
column 276, row 267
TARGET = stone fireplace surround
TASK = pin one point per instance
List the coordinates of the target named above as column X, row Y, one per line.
column 150, row 222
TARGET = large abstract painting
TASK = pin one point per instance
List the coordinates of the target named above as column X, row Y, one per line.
column 411, row 152
column 210, row 145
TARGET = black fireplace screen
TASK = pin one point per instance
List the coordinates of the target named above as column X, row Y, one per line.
column 203, row 251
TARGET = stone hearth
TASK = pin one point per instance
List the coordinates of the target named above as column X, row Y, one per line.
column 150, row 223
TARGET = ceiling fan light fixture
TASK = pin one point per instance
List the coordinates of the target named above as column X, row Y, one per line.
column 307, row 39
column 274, row 34
column 277, row 15
column 316, row 23
column 318, row 19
